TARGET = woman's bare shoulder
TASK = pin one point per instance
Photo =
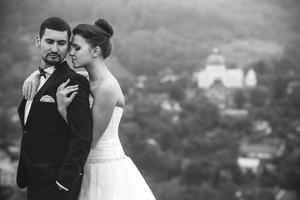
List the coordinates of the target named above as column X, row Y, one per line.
column 109, row 89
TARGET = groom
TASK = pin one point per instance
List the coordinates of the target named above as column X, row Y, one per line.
column 53, row 152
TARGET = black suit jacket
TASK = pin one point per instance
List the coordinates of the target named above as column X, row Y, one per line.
column 52, row 149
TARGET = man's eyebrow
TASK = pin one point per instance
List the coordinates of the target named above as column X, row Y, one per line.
column 56, row 40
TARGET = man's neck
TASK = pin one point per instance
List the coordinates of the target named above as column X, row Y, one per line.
column 45, row 65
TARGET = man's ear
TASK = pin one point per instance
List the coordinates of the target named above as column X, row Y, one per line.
column 38, row 41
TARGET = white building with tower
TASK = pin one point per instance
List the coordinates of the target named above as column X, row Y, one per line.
column 217, row 71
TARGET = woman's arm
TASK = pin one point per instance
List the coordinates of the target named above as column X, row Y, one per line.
column 105, row 100
column 31, row 85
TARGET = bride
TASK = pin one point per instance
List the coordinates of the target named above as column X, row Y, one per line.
column 108, row 174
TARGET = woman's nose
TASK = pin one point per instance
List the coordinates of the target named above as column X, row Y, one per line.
column 71, row 52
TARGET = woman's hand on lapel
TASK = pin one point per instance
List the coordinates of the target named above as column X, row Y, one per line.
column 64, row 98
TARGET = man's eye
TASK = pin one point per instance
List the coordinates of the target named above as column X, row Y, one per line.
column 50, row 41
column 61, row 43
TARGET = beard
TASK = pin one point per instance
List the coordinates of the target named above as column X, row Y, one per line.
column 52, row 59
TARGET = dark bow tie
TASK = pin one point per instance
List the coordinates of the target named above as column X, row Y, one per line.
column 42, row 72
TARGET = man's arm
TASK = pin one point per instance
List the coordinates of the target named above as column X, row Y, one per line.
column 81, row 127
column 22, row 174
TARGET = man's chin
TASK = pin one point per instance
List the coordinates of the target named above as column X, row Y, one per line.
column 52, row 62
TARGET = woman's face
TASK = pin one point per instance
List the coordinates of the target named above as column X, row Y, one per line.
column 80, row 52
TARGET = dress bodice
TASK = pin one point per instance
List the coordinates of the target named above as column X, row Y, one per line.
column 108, row 173
column 109, row 147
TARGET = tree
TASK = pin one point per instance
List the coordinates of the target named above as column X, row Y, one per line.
column 198, row 116
column 289, row 171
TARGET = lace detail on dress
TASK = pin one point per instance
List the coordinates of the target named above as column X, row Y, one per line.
column 99, row 160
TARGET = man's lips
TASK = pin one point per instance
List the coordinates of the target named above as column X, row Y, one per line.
column 54, row 56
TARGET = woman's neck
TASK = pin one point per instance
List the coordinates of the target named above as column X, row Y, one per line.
column 97, row 71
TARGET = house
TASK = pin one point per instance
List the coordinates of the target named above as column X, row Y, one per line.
column 237, row 113
column 254, row 156
column 262, row 126
column 170, row 105
column 167, row 75
column 250, row 79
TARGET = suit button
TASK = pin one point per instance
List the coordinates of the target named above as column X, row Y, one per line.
column 25, row 132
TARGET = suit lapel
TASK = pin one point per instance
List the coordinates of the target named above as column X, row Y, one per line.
column 57, row 75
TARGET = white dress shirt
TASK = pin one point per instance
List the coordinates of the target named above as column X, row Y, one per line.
column 49, row 71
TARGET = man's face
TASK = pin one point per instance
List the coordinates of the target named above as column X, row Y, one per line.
column 53, row 46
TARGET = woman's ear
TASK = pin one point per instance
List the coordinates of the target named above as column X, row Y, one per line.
column 97, row 51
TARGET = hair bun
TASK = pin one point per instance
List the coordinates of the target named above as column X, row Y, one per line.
column 102, row 23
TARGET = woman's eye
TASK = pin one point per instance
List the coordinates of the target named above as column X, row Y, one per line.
column 76, row 47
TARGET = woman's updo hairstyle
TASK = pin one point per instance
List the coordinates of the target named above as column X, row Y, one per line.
column 98, row 34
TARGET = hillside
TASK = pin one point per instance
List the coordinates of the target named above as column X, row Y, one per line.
column 151, row 35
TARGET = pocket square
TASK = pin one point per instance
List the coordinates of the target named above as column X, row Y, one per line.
column 47, row 98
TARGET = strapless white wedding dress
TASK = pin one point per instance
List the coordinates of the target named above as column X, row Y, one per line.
column 108, row 173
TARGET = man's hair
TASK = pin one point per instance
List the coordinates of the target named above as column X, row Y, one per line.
column 55, row 23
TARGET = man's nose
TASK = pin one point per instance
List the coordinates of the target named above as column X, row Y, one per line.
column 54, row 48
